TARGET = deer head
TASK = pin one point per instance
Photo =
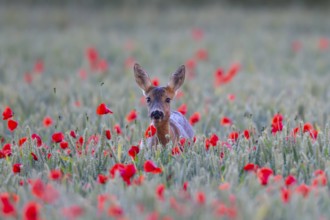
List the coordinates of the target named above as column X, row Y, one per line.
column 159, row 97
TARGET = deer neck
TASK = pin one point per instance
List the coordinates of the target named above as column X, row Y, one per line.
column 164, row 133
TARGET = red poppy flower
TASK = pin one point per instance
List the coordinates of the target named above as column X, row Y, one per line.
column 202, row 54
column 285, row 195
column 39, row 66
column 82, row 74
column 231, row 97
column 102, row 65
column 7, row 113
column 102, row 179
column 264, row 174
column 73, row 212
column 277, row 123
column 125, row 171
column 197, row 34
column 250, row 167
column 185, row 186
column 225, row 121
column 290, row 180
column 28, row 77
column 102, row 109
column 214, row 140
column 246, row 134
column 48, row 121
column 133, row 151
column 155, row 81
column 131, row 116
column 176, row 151
column 207, row 143
column 31, row 211
column 73, row 134
column 295, row 131
column 34, row 156
column 307, row 127
column 233, row 136
column 151, row 131
column 108, row 134
column 191, row 64
column 12, row 125
column 313, row 134
column 92, row 56
column 58, row 137
column 296, row 46
column 115, row 211
column 200, row 197
column 22, row 141
column 55, row 174
column 150, row 167
column 7, row 207
column 6, row 150
column 324, row 43
column 37, row 138
column 183, row 109
column 160, row 191
column 46, row 193
column 320, row 180
column 17, row 168
column 64, row 145
column 303, row 189
column 117, row 129
column 194, row 118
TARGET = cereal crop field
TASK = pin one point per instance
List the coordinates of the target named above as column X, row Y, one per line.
column 73, row 118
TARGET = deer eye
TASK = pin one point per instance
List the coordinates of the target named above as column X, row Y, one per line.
column 168, row 100
column 148, row 99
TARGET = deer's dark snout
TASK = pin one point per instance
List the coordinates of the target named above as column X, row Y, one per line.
column 157, row 114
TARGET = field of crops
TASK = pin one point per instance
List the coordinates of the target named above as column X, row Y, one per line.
column 256, row 91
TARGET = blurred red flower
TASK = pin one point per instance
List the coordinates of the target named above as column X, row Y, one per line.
column 22, row 141
column 214, row 140
column 17, row 168
column 12, row 125
column 55, row 174
column 64, row 145
column 92, row 56
column 37, row 138
column 7, row 208
column 39, row 66
column 31, row 211
column 183, row 109
column 160, row 191
column 34, row 156
column 264, row 174
column 225, row 121
column 46, row 193
column 296, row 46
column 200, row 197
column 72, row 212
column 125, row 171
column 151, row 131
column 102, row 65
column 133, row 151
column 7, row 113
column 197, row 34
column 290, row 180
column 102, row 109
column 102, row 179
column 250, row 167
column 303, row 189
column 176, row 151
column 131, row 116
column 233, row 136
column 194, row 118
column 201, row 54
column 58, row 137
column 221, row 78
column 246, row 134
column 324, row 43
column 155, row 81
column 115, row 211
column 117, row 129
column 48, row 121
column 73, row 134
column 277, row 123
column 150, row 167
column 108, row 134
column 285, row 195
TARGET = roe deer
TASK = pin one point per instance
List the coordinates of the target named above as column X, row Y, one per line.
column 170, row 125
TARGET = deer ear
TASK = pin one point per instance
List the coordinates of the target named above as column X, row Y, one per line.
column 142, row 78
column 177, row 78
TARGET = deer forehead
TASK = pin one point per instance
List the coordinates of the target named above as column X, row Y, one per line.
column 160, row 92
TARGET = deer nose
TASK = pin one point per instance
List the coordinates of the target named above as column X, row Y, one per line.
column 157, row 114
